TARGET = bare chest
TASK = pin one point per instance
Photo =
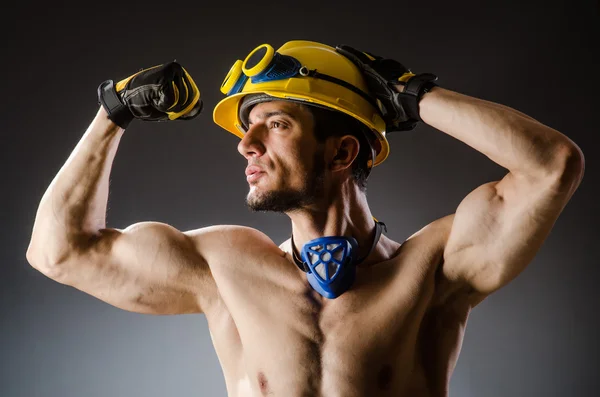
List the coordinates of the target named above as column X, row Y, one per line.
column 281, row 338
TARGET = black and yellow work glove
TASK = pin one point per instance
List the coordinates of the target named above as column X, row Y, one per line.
column 400, row 109
column 160, row 93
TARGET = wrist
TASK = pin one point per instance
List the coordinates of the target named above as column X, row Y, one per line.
column 102, row 122
column 413, row 92
column 116, row 111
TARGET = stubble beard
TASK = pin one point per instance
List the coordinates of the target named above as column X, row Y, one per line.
column 290, row 200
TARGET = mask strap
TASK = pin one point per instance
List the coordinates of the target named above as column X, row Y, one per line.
column 379, row 226
column 303, row 266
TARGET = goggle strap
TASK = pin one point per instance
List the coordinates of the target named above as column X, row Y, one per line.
column 322, row 76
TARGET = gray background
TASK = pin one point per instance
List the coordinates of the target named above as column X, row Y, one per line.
column 536, row 337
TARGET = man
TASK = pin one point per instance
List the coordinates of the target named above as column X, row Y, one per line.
column 339, row 309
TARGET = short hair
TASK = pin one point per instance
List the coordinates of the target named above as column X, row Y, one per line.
column 329, row 123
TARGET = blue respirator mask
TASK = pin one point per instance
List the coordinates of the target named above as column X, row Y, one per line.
column 330, row 262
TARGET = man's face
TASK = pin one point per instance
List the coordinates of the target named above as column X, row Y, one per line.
column 285, row 162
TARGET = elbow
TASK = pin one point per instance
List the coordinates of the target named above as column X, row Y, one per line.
column 56, row 258
column 569, row 166
column 52, row 268
column 578, row 162
column 573, row 159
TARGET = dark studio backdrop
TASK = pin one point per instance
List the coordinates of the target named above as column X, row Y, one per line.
column 535, row 337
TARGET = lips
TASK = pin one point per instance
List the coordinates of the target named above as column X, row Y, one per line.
column 253, row 172
column 253, row 169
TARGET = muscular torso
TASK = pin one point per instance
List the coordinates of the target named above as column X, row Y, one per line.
column 397, row 332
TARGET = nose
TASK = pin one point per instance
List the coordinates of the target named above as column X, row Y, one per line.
column 252, row 144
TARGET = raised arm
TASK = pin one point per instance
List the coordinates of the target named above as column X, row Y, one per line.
column 146, row 268
column 500, row 226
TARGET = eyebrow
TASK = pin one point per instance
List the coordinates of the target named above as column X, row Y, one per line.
column 266, row 115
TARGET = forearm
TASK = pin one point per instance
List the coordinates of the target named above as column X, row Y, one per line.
column 74, row 205
column 508, row 137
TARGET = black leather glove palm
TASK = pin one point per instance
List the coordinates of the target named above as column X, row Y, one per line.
column 161, row 93
column 400, row 109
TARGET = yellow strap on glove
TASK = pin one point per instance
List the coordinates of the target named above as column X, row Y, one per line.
column 160, row 93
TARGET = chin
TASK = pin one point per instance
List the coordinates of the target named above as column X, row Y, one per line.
column 258, row 201
column 277, row 200
column 258, row 194
column 253, row 195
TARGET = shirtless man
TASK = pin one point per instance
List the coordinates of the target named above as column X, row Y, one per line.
column 388, row 319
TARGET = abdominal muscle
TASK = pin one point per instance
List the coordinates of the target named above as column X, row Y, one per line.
column 275, row 336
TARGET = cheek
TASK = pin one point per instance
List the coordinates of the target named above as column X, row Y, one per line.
column 292, row 162
column 289, row 169
column 283, row 154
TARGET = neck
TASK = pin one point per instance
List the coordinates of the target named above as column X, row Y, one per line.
column 343, row 214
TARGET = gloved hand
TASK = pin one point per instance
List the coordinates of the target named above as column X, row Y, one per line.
column 400, row 109
column 160, row 93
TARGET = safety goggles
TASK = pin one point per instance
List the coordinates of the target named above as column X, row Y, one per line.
column 263, row 64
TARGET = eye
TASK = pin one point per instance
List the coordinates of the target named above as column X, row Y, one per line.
column 277, row 125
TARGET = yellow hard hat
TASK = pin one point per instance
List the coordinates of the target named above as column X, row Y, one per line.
column 303, row 71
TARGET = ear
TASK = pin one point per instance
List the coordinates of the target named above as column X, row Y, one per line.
column 345, row 149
